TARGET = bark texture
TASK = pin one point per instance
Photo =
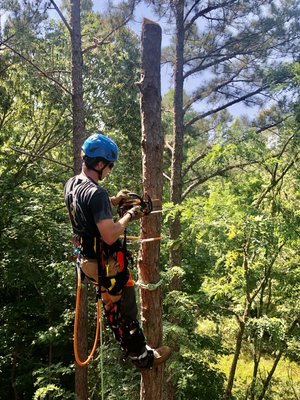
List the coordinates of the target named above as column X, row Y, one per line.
column 178, row 130
column 77, row 84
column 152, row 148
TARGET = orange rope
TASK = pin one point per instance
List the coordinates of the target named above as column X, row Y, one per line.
column 75, row 342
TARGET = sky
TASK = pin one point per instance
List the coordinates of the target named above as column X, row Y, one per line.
column 143, row 11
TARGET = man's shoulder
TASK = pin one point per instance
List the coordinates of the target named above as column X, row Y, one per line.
column 71, row 181
column 81, row 181
column 84, row 186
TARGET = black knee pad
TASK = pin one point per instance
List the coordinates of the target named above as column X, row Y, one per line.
column 126, row 331
column 133, row 341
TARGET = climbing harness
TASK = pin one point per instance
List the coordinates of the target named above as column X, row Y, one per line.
column 108, row 282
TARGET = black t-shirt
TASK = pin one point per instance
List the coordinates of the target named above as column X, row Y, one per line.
column 87, row 204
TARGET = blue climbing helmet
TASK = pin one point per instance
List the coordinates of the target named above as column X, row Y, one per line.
column 100, row 146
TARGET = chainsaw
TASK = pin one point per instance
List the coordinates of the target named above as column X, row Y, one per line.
column 135, row 200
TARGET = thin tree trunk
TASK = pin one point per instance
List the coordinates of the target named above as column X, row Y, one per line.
column 177, row 151
column 177, row 157
column 270, row 375
column 152, row 147
column 81, row 381
column 267, row 381
column 256, row 361
column 242, row 323
column 13, row 375
column 237, row 352
column 77, row 85
column 257, row 343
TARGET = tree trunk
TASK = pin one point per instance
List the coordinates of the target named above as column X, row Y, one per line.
column 77, row 84
column 177, row 151
column 81, row 383
column 267, row 381
column 238, row 347
column 152, row 147
column 242, row 324
column 177, row 158
column 256, row 361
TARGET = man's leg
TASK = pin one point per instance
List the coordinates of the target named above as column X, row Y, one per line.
column 122, row 318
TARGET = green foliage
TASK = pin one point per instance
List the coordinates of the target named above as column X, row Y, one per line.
column 54, row 373
column 120, row 379
column 38, row 277
column 199, row 381
column 192, row 365
column 272, row 330
column 54, row 391
column 240, row 218
column 238, row 242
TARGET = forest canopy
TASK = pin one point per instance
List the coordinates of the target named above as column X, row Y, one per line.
column 229, row 254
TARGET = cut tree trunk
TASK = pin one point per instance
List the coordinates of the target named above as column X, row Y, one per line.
column 152, row 148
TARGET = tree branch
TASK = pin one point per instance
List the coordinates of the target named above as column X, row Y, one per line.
column 274, row 182
column 215, row 89
column 226, row 105
column 190, row 10
column 218, row 60
column 279, row 155
column 277, row 359
column 103, row 41
column 205, row 11
column 27, row 153
column 61, row 16
column 193, row 162
column 220, row 172
column 273, row 125
column 36, row 67
column 265, row 278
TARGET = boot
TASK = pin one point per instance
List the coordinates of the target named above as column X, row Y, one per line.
column 152, row 357
column 161, row 354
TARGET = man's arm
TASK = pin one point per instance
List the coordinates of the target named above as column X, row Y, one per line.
column 110, row 230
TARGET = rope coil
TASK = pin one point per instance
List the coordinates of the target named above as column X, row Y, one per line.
column 75, row 342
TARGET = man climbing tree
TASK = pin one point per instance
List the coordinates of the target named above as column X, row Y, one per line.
column 103, row 257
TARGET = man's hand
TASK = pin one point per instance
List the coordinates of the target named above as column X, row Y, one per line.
column 135, row 213
column 121, row 196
